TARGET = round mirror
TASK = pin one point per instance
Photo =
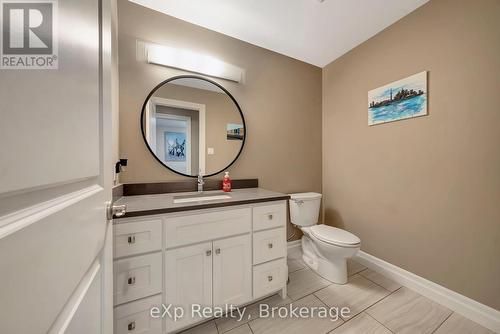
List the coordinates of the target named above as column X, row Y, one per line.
column 193, row 126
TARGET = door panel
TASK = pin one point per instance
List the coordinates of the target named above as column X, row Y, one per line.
column 52, row 116
column 87, row 318
column 188, row 280
column 232, row 271
column 55, row 180
column 42, row 264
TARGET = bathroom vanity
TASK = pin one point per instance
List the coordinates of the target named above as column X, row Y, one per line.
column 205, row 249
column 188, row 249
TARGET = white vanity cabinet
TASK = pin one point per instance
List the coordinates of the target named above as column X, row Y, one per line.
column 232, row 270
column 208, row 274
column 214, row 257
column 188, row 280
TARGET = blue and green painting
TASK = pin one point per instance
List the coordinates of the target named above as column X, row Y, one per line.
column 402, row 99
column 175, row 146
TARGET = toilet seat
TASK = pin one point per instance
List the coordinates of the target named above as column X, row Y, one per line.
column 335, row 236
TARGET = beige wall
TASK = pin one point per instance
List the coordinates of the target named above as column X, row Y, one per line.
column 281, row 101
column 423, row 194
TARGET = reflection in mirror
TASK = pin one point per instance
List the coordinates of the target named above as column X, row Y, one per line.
column 193, row 126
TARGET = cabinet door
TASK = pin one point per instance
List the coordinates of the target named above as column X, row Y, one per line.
column 188, row 281
column 233, row 271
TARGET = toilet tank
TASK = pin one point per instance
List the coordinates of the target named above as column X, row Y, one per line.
column 304, row 208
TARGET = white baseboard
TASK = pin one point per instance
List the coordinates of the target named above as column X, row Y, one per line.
column 294, row 249
column 469, row 308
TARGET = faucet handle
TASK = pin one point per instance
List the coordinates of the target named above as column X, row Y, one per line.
column 200, row 183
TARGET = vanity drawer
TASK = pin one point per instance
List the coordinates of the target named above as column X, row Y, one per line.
column 136, row 317
column 269, row 277
column 137, row 237
column 137, row 277
column 269, row 245
column 189, row 229
column 269, row 216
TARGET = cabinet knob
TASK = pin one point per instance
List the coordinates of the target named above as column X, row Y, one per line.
column 131, row 281
column 208, row 252
column 131, row 326
column 270, row 245
column 131, row 239
column 270, row 217
column 269, row 278
column 217, row 251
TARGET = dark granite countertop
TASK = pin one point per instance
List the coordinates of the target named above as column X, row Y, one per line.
column 143, row 205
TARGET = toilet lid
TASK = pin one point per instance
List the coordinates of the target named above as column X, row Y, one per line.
column 333, row 235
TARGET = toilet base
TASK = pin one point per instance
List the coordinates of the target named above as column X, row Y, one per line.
column 333, row 270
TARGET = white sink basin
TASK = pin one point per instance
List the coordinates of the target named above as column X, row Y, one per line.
column 201, row 198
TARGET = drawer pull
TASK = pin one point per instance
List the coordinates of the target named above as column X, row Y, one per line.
column 270, row 217
column 208, row 252
column 131, row 326
column 131, row 281
column 131, row 239
column 217, row 251
column 269, row 278
column 270, row 245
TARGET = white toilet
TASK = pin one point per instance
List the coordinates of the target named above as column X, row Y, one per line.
column 325, row 248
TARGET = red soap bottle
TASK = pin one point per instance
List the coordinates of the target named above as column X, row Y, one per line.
column 226, row 183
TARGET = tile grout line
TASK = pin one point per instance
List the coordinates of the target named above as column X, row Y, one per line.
column 245, row 324
column 378, row 301
column 313, row 293
column 363, row 310
column 356, row 273
column 379, row 322
column 258, row 316
column 441, row 324
column 401, row 286
column 330, row 283
column 366, row 308
column 251, row 330
column 391, row 292
column 217, row 327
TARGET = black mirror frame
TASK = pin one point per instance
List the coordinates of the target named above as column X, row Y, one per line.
column 207, row 80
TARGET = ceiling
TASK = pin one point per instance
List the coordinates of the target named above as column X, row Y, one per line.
column 309, row 30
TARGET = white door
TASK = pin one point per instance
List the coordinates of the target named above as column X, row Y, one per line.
column 233, row 271
column 188, row 281
column 55, row 180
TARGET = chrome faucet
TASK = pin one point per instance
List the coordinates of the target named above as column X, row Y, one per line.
column 200, row 183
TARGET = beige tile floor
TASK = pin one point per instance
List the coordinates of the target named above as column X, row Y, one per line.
column 378, row 306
